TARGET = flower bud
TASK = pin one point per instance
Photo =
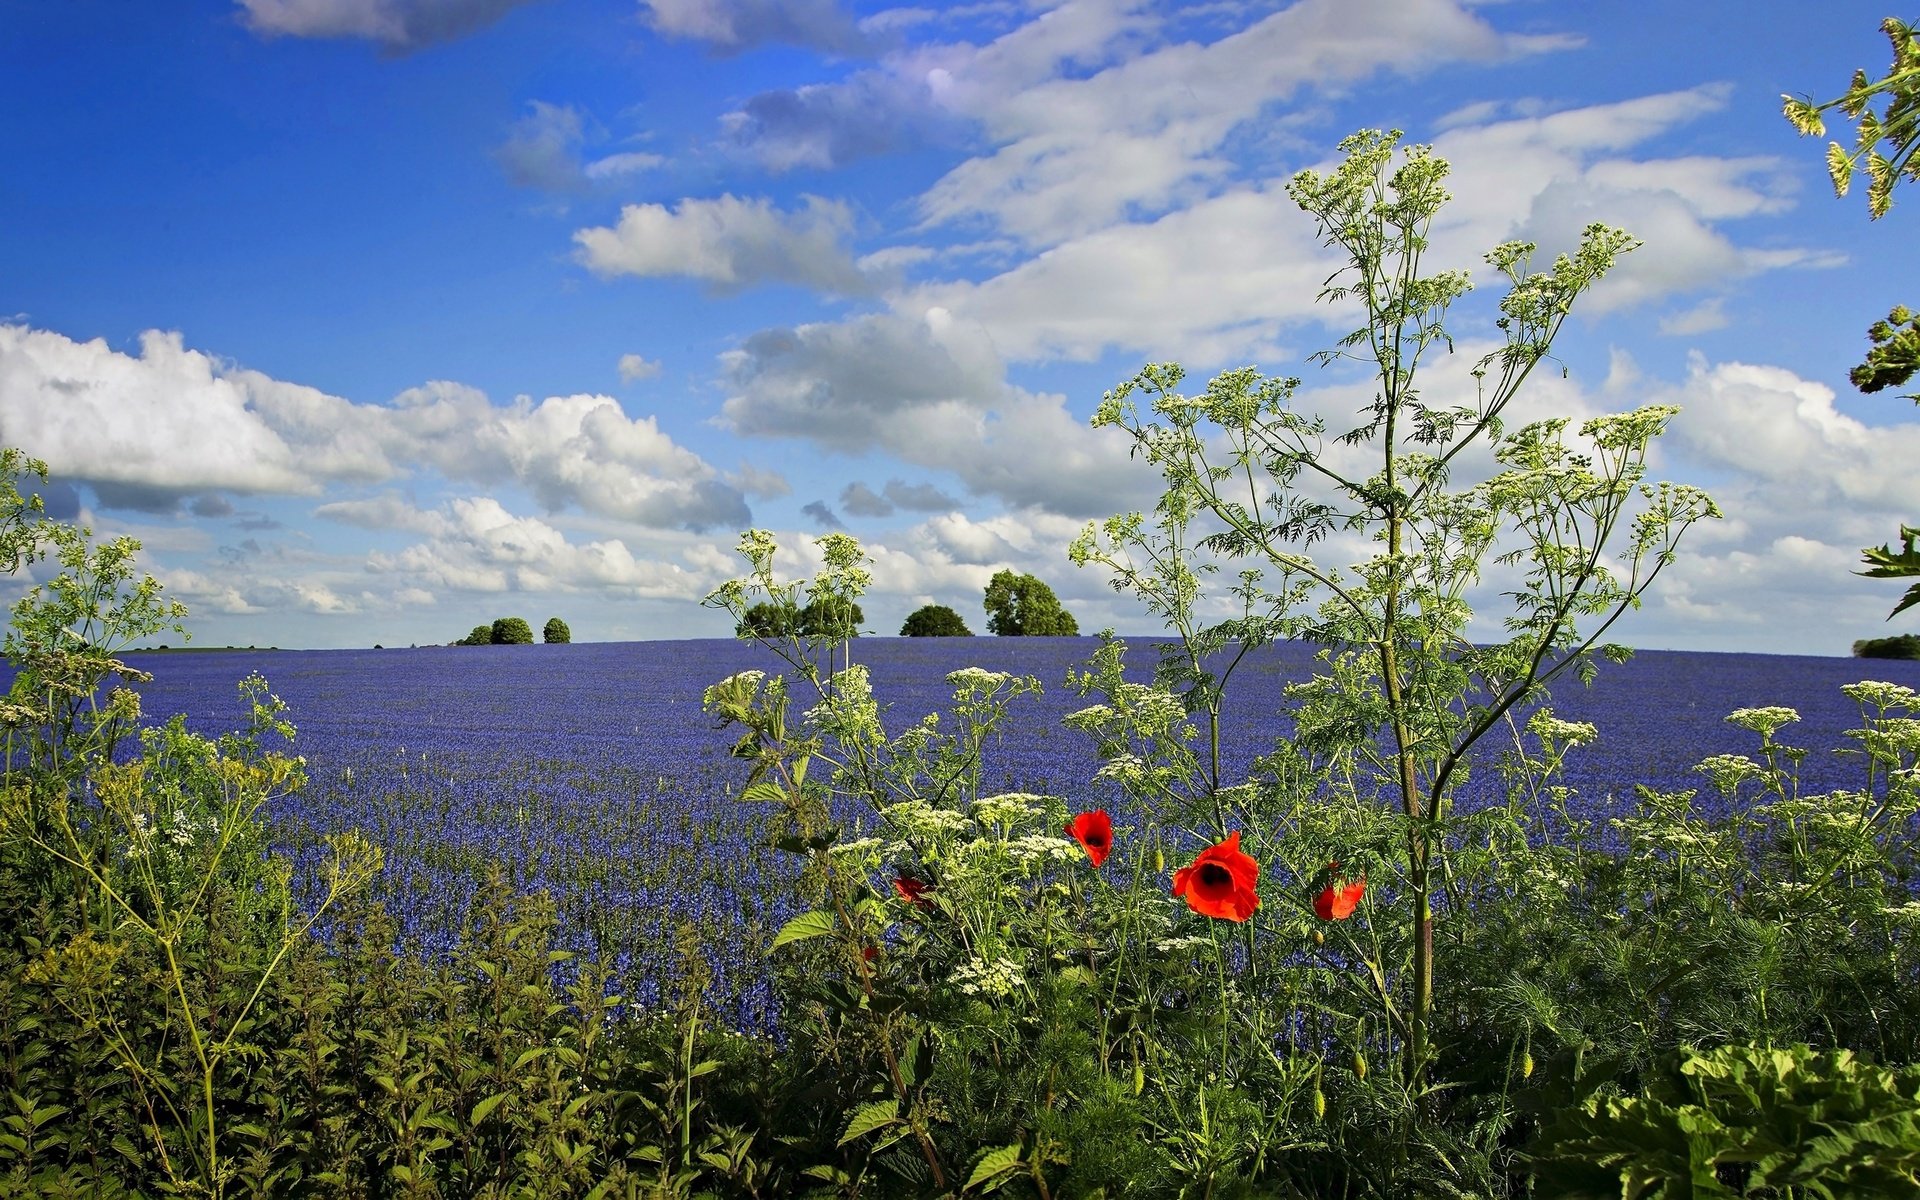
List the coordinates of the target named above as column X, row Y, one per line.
column 1319, row 1104
column 1319, row 939
column 1159, row 859
column 1526, row 1065
column 1139, row 1078
column 1359, row 1065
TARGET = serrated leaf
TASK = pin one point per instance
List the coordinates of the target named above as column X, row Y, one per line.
column 484, row 1109
column 527, row 1056
column 995, row 1164
column 764, row 792
column 806, row 925
column 874, row 1116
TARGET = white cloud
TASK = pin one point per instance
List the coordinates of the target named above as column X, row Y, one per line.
column 1704, row 317
column 730, row 243
column 1077, row 154
column 634, row 367
column 933, row 392
column 476, row 545
column 169, row 419
column 147, row 431
column 1784, row 433
column 731, row 26
column 544, row 150
column 400, row 25
column 568, row 451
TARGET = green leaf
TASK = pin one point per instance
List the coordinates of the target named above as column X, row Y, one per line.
column 874, row 1116
column 764, row 792
column 806, row 925
column 484, row 1109
column 995, row 1165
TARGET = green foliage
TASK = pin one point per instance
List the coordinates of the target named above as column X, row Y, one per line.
column 1020, row 605
column 482, row 635
column 511, row 631
column 1894, row 125
column 1884, row 562
column 1906, row 645
column 1744, row 1121
column 556, row 632
column 934, row 620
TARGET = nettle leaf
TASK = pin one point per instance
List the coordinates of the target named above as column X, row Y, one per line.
column 995, row 1168
column 878, row 1115
column 806, row 925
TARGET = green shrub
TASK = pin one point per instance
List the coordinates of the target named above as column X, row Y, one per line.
column 1743, row 1121
column 511, row 631
column 1906, row 645
column 935, row 620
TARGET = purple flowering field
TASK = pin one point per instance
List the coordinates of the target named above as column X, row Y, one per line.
column 591, row 772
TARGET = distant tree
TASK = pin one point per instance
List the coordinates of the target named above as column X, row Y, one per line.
column 1906, row 645
column 769, row 620
column 1023, row 606
column 482, row 635
column 832, row 618
column 556, row 632
column 818, row 619
column 511, row 631
column 935, row 620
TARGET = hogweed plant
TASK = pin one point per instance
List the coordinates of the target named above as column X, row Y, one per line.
column 1576, row 534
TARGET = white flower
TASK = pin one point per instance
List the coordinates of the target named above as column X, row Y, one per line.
column 977, row 677
column 1762, row 721
column 989, row 977
column 1039, row 847
column 1882, row 695
column 1549, row 728
column 1008, row 808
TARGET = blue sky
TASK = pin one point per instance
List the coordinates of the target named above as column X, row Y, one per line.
column 378, row 319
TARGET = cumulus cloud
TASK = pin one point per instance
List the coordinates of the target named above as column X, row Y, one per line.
column 476, row 545
column 1785, row 433
column 634, row 367
column 399, row 25
column 147, row 431
column 1704, row 317
column 169, row 420
column 1150, row 128
column 933, row 392
column 859, row 500
column 734, row 26
column 823, row 516
column 920, row 497
column 729, row 243
column 822, row 126
column 579, row 451
column 1228, row 278
column 544, row 150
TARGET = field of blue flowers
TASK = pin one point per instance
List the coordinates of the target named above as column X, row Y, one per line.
column 589, row 770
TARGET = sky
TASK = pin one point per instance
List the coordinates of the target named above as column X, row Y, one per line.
column 375, row 320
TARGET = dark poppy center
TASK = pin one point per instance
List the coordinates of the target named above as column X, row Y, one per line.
column 1096, row 839
column 1213, row 875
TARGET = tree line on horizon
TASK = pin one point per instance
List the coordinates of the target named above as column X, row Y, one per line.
column 514, row 631
column 1017, row 605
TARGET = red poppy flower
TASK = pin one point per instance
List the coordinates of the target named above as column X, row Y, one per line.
column 869, row 953
column 1220, row 882
column 1338, row 899
column 1094, row 831
column 913, row 890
